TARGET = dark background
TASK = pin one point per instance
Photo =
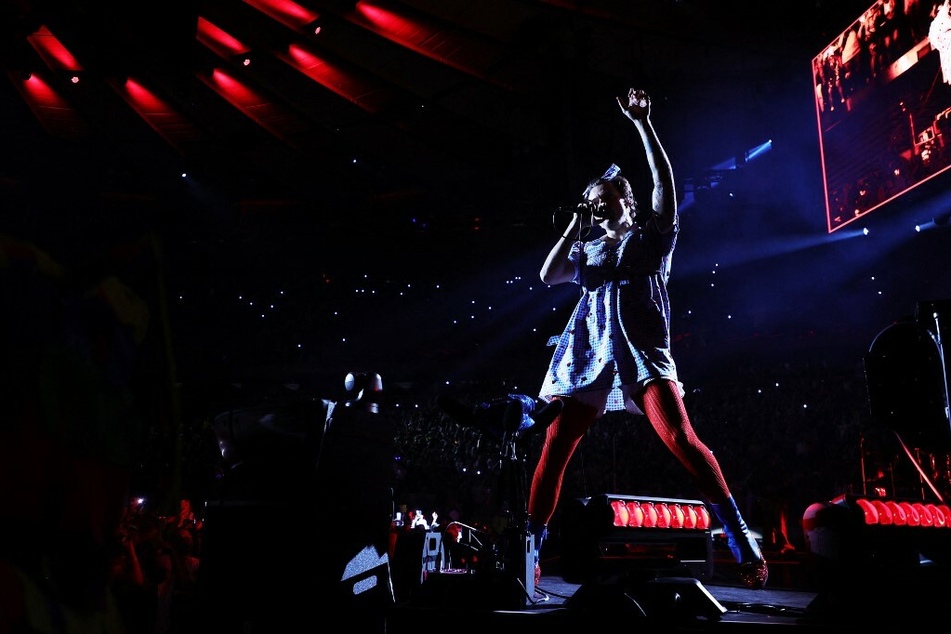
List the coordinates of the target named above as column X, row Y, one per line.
column 407, row 241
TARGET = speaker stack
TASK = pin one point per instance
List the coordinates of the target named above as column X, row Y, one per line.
column 301, row 518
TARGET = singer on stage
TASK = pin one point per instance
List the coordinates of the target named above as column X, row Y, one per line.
column 614, row 354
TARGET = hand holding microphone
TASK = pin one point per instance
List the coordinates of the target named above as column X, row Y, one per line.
column 584, row 215
column 597, row 209
column 587, row 207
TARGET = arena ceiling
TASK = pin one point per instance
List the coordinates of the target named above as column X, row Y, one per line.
column 442, row 112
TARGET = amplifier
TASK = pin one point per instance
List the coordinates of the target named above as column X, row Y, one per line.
column 636, row 535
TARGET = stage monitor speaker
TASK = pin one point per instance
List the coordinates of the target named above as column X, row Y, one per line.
column 649, row 536
column 669, row 598
column 503, row 580
column 898, row 549
column 302, row 519
column 888, row 533
column 907, row 377
column 269, row 452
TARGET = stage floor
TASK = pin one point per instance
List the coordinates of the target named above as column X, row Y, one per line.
column 798, row 595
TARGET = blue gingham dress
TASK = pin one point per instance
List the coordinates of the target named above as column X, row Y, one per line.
column 618, row 336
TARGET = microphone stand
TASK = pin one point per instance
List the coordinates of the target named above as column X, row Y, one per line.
column 517, row 543
column 513, row 552
column 515, row 549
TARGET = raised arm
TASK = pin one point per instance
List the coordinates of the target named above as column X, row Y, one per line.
column 637, row 107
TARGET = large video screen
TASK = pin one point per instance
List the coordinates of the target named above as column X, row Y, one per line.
column 883, row 105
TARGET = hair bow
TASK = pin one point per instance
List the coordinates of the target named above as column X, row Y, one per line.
column 611, row 173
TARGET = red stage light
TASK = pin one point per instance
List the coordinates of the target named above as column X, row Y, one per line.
column 691, row 517
column 655, row 513
column 924, row 514
column 942, row 514
column 886, row 512
column 676, row 516
column 911, row 515
column 884, row 515
column 650, row 514
column 888, row 531
column 703, row 518
column 899, row 518
column 636, row 514
column 621, row 515
column 871, row 515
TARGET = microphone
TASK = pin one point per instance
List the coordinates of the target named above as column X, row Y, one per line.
column 598, row 210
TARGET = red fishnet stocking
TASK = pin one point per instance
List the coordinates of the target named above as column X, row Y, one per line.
column 665, row 410
column 561, row 440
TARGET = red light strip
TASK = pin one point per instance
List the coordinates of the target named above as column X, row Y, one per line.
column 882, row 512
column 651, row 514
column 172, row 125
column 56, row 56
column 53, row 112
column 219, row 41
column 290, row 14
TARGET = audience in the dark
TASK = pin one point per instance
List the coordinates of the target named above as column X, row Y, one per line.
column 92, row 418
column 789, row 436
